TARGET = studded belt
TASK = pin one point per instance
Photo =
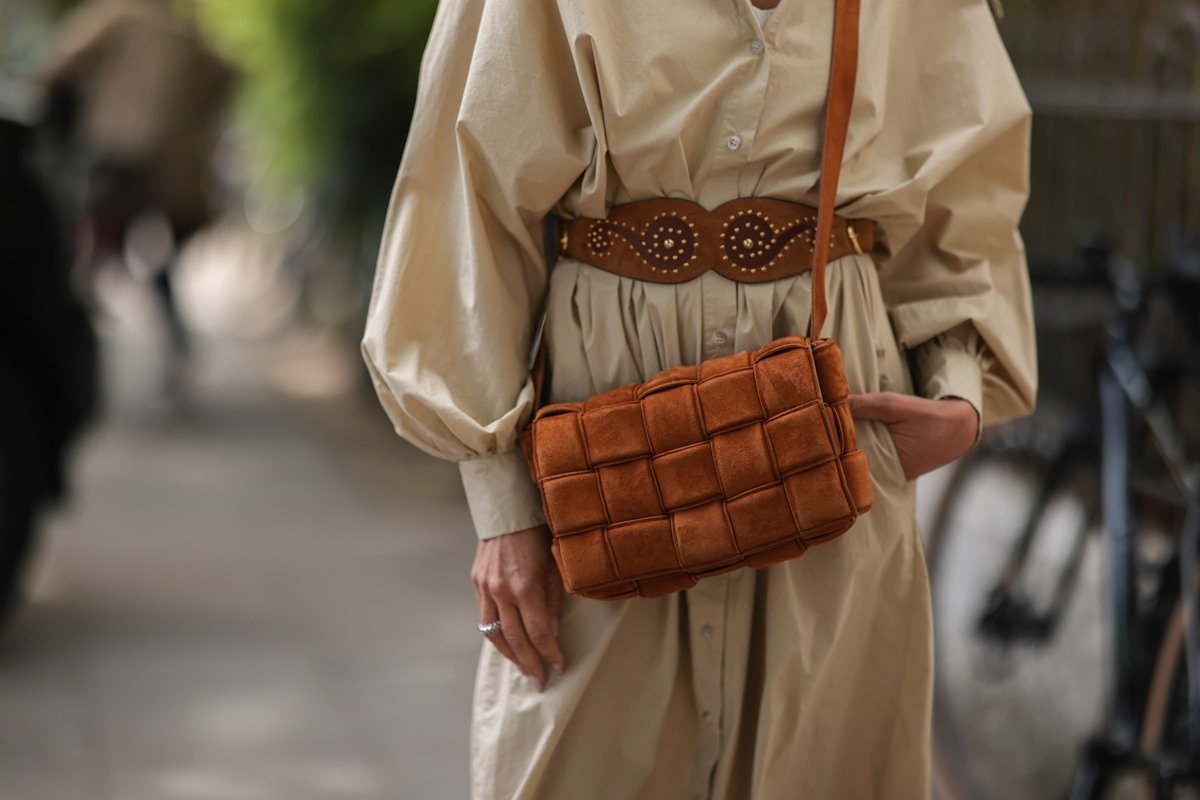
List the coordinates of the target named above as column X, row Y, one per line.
column 669, row 240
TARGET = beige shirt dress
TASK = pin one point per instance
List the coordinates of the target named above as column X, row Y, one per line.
column 807, row 679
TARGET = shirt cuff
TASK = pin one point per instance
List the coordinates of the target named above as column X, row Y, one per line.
column 945, row 368
column 501, row 493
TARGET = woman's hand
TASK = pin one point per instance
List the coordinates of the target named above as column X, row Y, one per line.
column 927, row 433
column 517, row 582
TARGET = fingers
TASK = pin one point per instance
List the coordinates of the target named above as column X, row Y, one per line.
column 527, row 657
column 554, row 595
column 517, row 582
column 865, row 406
column 511, row 640
column 489, row 613
column 537, row 618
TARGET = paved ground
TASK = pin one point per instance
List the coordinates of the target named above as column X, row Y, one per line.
column 261, row 598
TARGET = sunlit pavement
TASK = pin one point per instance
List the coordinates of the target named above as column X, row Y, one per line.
column 261, row 595
column 257, row 597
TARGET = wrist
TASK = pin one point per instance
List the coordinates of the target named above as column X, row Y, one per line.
column 966, row 419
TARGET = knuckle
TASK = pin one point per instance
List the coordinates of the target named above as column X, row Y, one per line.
column 523, row 588
column 540, row 638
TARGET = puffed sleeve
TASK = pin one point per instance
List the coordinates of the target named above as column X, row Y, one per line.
column 500, row 133
column 956, row 282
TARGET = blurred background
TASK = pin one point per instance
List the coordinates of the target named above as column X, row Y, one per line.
column 222, row 575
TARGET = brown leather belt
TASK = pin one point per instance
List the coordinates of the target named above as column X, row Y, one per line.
column 669, row 240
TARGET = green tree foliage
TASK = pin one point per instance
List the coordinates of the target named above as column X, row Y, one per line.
column 328, row 88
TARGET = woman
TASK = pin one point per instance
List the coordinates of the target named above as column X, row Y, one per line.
column 809, row 678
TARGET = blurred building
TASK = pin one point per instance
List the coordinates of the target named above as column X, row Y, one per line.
column 1115, row 88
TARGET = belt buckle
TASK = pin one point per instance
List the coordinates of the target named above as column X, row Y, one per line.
column 854, row 239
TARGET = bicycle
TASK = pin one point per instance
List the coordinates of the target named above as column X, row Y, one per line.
column 1102, row 503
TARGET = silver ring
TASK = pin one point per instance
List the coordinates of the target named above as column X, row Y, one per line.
column 489, row 628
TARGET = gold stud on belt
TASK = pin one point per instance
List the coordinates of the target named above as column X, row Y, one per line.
column 672, row 239
column 854, row 239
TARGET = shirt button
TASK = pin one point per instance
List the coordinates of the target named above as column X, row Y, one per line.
column 756, row 47
column 706, row 631
column 733, row 142
column 707, row 716
column 720, row 338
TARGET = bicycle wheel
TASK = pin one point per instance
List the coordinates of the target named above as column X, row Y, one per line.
column 1016, row 576
column 1165, row 721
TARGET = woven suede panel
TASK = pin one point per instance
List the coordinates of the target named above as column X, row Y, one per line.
column 743, row 460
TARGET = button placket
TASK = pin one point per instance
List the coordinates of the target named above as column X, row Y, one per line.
column 720, row 314
column 739, row 101
column 706, row 605
column 743, row 104
column 885, row 383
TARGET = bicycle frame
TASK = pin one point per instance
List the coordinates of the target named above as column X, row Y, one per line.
column 1126, row 391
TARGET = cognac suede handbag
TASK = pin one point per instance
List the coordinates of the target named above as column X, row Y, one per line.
column 743, row 460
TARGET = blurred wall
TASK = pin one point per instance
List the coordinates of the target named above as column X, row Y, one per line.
column 1115, row 88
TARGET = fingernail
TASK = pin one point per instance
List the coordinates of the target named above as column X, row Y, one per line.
column 558, row 669
column 538, row 684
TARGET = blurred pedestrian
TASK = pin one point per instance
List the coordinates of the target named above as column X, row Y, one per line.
column 810, row 678
column 145, row 96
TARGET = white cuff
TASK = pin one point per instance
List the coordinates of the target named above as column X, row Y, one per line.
column 945, row 369
column 501, row 493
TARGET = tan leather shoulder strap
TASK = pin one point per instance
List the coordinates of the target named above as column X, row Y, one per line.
column 843, row 72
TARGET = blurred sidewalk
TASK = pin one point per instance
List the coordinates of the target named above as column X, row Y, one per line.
column 261, row 598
